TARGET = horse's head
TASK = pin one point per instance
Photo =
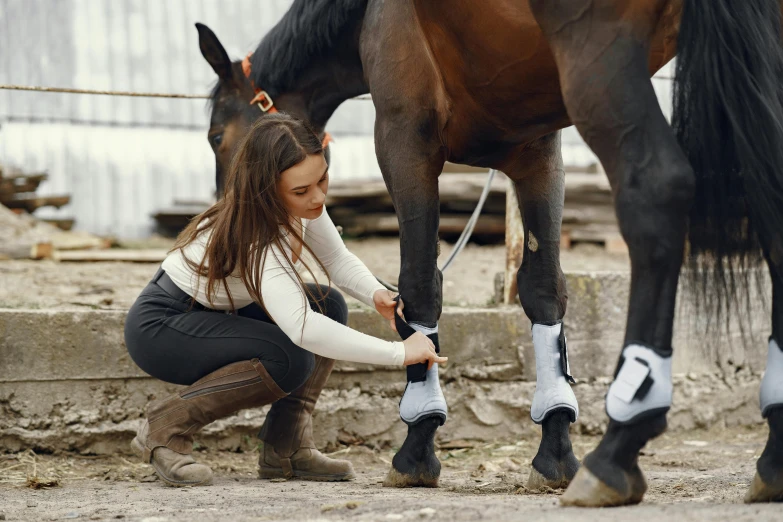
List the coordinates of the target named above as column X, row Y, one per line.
column 231, row 112
column 236, row 103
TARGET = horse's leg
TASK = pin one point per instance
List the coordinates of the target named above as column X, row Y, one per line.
column 411, row 166
column 601, row 54
column 540, row 187
column 767, row 485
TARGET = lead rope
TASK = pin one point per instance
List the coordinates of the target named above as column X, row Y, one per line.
column 466, row 233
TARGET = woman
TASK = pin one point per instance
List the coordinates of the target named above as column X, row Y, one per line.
column 228, row 314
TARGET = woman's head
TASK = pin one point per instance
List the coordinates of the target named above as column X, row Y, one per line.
column 280, row 162
column 278, row 173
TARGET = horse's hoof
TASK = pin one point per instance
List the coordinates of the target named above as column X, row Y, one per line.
column 759, row 491
column 537, row 482
column 395, row 479
column 586, row 490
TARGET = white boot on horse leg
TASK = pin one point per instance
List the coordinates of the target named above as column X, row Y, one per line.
column 771, row 401
column 554, row 465
column 642, row 386
column 771, row 392
column 425, row 398
column 642, row 389
column 423, row 408
column 553, row 390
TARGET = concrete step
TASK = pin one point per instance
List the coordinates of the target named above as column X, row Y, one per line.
column 67, row 382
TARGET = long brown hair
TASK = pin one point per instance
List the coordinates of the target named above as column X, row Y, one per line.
column 250, row 216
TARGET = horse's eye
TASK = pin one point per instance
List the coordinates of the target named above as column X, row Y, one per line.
column 216, row 140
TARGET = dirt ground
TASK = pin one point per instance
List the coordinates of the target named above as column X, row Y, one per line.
column 468, row 282
column 695, row 476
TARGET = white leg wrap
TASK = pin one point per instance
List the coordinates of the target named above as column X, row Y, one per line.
column 426, row 330
column 643, row 385
column 771, row 394
column 552, row 388
column 424, row 399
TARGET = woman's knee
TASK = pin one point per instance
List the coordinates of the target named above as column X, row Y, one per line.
column 301, row 366
column 333, row 303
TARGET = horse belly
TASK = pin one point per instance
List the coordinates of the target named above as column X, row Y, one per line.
column 500, row 76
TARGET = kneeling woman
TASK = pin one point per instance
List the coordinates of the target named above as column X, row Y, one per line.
column 228, row 315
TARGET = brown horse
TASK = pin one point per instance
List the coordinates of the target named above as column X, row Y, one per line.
column 490, row 84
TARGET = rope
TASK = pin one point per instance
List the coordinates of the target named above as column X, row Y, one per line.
column 10, row 87
column 465, row 236
column 466, row 233
column 106, row 93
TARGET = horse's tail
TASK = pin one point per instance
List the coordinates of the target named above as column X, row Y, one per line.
column 728, row 117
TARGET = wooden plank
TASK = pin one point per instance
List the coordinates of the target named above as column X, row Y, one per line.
column 114, row 254
column 78, row 240
column 14, row 185
column 565, row 240
column 26, row 249
column 365, row 206
column 607, row 235
column 465, row 187
column 575, row 213
column 31, row 203
column 65, row 224
column 592, row 232
column 179, row 213
column 15, row 173
column 616, row 245
column 365, row 224
column 457, row 168
column 515, row 243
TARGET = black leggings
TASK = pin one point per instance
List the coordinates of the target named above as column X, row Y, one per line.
column 175, row 343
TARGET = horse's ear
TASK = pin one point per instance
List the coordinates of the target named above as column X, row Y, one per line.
column 213, row 51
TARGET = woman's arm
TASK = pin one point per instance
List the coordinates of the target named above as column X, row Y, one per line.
column 286, row 302
column 345, row 269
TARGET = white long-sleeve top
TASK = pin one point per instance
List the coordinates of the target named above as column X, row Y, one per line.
column 285, row 299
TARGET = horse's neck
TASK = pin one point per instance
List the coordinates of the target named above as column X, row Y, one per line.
column 322, row 88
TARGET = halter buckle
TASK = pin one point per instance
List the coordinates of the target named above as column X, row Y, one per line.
column 263, row 100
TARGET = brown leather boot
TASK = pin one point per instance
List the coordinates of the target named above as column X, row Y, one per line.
column 289, row 449
column 166, row 438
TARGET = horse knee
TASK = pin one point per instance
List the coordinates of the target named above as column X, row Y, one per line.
column 667, row 184
column 653, row 206
column 542, row 292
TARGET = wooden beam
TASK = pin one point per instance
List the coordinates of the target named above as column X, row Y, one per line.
column 26, row 249
column 65, row 224
column 114, row 254
column 33, row 202
column 515, row 243
column 354, row 224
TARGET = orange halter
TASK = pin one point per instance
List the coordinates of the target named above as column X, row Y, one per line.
column 265, row 102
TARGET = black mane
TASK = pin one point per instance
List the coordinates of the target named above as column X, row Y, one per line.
column 305, row 33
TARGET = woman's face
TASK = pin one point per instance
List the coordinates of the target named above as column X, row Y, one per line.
column 303, row 187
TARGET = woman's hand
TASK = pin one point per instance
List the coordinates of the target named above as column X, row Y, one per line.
column 384, row 302
column 419, row 349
